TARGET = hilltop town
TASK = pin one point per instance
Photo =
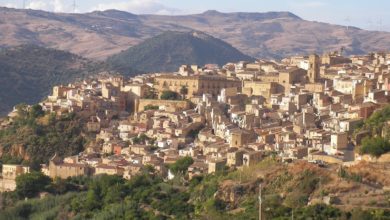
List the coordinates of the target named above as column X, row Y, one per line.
column 302, row 108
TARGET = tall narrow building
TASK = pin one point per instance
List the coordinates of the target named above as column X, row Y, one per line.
column 314, row 68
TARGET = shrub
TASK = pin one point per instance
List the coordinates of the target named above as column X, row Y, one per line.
column 181, row 165
column 151, row 107
column 170, row 95
column 30, row 184
column 375, row 146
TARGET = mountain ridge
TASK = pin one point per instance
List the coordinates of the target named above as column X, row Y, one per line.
column 167, row 51
column 100, row 34
column 28, row 73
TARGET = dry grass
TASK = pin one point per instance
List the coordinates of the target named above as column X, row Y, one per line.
column 281, row 179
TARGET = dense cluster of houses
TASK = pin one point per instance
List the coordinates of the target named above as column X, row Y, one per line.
column 231, row 116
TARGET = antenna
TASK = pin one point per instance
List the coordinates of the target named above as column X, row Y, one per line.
column 380, row 24
column 370, row 24
column 74, row 6
column 347, row 20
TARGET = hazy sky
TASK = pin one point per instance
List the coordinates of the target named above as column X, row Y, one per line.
column 367, row 14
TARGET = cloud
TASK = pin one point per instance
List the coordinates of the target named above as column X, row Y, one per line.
column 8, row 5
column 313, row 4
column 137, row 6
column 59, row 6
column 52, row 5
column 134, row 6
column 38, row 5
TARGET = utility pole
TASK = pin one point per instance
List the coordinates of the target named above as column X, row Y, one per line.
column 260, row 202
column 240, row 171
column 322, row 194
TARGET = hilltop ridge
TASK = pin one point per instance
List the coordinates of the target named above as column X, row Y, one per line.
column 100, row 34
column 167, row 51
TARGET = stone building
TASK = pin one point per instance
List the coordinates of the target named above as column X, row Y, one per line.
column 314, row 68
column 63, row 170
column 216, row 165
column 259, row 88
column 11, row 171
column 9, row 174
column 196, row 85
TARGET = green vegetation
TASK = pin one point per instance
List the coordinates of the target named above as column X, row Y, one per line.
column 195, row 132
column 170, row 95
column 181, row 165
column 145, row 196
column 148, row 196
column 151, row 107
column 34, row 138
column 299, row 193
column 184, row 91
column 30, row 184
column 376, row 121
column 28, row 73
column 151, row 93
column 375, row 146
column 142, row 139
column 167, row 51
column 349, row 176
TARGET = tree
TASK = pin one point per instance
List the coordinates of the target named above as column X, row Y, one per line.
column 36, row 111
column 181, row 165
column 92, row 200
column 63, row 136
column 21, row 110
column 30, row 184
column 151, row 94
column 376, row 121
column 169, row 95
column 184, row 91
column 375, row 146
column 194, row 133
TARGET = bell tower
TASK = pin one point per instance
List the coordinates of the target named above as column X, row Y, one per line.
column 314, row 68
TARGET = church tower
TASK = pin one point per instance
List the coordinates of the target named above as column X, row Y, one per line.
column 314, row 68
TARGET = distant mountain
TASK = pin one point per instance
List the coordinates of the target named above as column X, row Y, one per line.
column 29, row 72
column 99, row 35
column 167, row 51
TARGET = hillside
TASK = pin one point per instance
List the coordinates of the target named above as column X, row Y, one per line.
column 99, row 35
column 286, row 189
column 34, row 137
column 28, row 73
column 167, row 51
